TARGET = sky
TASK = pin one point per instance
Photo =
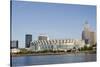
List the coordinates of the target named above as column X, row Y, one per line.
column 57, row 21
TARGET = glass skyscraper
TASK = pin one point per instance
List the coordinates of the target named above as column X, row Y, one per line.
column 28, row 39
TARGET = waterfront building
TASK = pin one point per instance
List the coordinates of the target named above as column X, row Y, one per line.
column 14, row 44
column 28, row 39
column 68, row 44
column 15, row 50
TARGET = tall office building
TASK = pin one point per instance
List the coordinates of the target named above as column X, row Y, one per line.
column 14, row 44
column 88, row 36
column 42, row 37
column 28, row 39
column 86, row 33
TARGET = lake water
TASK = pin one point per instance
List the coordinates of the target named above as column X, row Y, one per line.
column 52, row 59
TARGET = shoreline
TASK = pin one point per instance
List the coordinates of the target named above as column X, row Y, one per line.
column 51, row 53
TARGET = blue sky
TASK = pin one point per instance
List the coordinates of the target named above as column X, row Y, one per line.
column 55, row 20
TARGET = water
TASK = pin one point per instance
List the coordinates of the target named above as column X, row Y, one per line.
column 52, row 59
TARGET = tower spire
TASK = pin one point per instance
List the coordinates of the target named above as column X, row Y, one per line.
column 86, row 26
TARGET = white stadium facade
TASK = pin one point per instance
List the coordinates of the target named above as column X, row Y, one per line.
column 62, row 44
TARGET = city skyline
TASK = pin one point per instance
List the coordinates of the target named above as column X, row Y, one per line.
column 54, row 20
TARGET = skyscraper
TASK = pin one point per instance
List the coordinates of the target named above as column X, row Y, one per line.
column 28, row 39
column 86, row 33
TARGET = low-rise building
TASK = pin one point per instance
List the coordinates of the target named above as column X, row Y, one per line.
column 68, row 44
column 15, row 50
column 14, row 44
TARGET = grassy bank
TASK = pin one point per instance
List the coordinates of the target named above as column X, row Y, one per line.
column 25, row 52
column 50, row 53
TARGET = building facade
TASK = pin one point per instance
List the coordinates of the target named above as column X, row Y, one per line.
column 92, row 38
column 42, row 37
column 14, row 44
column 88, row 36
column 28, row 39
column 86, row 33
column 64, row 45
column 15, row 50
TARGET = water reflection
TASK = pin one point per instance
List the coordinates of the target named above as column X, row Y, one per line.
column 52, row 59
